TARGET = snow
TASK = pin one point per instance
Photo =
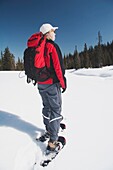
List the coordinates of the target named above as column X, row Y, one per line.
column 87, row 111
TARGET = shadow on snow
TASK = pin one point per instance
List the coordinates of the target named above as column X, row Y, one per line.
column 13, row 121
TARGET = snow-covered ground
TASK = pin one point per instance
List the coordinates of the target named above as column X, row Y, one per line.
column 88, row 114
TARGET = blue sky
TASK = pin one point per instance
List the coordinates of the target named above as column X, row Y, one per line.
column 78, row 20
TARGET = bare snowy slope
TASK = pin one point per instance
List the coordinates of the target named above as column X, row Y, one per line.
column 87, row 111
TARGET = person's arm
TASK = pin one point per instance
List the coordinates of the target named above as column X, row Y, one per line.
column 58, row 67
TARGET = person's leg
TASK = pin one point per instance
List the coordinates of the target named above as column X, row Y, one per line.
column 46, row 111
column 55, row 102
column 51, row 97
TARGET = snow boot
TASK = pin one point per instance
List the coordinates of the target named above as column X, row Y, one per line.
column 44, row 137
column 52, row 147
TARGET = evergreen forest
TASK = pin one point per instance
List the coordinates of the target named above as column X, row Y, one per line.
column 91, row 57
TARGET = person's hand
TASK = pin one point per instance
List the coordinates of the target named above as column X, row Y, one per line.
column 63, row 90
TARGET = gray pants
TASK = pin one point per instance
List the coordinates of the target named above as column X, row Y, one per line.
column 51, row 98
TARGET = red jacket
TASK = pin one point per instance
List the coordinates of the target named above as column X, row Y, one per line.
column 54, row 62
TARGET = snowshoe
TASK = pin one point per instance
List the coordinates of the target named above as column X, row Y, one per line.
column 51, row 154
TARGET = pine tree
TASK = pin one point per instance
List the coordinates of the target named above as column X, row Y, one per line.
column 65, row 61
column 81, row 60
column 77, row 63
column 69, row 61
column 12, row 58
column 107, row 58
column 0, row 64
column 91, row 56
column 99, row 51
column 8, row 60
column 111, row 52
column 86, row 57
column 1, row 61
column 19, row 64
column 96, row 58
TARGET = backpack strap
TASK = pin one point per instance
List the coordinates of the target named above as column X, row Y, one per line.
column 41, row 40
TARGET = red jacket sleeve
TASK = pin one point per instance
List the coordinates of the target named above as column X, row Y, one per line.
column 57, row 67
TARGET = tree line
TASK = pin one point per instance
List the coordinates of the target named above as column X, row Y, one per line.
column 92, row 57
column 7, row 61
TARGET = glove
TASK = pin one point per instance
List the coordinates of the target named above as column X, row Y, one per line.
column 63, row 90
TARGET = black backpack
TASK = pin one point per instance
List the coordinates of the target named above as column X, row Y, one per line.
column 34, row 62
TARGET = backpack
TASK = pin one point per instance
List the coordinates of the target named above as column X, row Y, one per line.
column 34, row 62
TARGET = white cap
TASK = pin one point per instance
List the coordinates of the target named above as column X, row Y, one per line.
column 46, row 28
